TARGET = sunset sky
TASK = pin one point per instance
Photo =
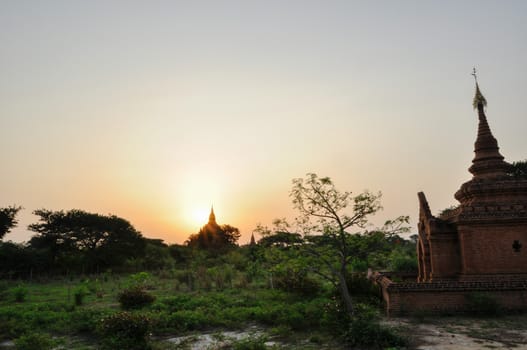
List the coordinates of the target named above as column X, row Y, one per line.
column 156, row 110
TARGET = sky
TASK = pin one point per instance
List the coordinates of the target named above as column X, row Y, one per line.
column 156, row 110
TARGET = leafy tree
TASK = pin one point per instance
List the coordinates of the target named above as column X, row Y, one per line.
column 280, row 237
column 180, row 253
column 157, row 256
column 16, row 260
column 8, row 219
column 97, row 240
column 324, row 218
column 519, row 169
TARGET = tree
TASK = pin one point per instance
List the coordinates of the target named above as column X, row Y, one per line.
column 281, row 239
column 519, row 169
column 8, row 219
column 157, row 256
column 96, row 240
column 325, row 216
column 16, row 260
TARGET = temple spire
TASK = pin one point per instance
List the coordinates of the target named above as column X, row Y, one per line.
column 479, row 100
column 212, row 217
column 487, row 162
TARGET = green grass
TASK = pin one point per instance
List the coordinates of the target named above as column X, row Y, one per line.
column 50, row 308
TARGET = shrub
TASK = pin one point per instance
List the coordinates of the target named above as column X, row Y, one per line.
column 92, row 286
column 12, row 329
column 365, row 330
column 79, row 295
column 359, row 284
column 134, row 298
column 482, row 304
column 34, row 341
column 124, row 330
column 295, row 280
column 186, row 320
column 20, row 294
column 401, row 262
column 141, row 280
column 335, row 317
column 85, row 320
column 4, row 286
column 250, row 343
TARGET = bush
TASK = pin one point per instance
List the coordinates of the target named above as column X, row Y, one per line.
column 366, row 331
column 124, row 330
column 370, row 333
column 359, row 284
column 4, row 286
column 34, row 341
column 294, row 280
column 335, row 317
column 20, row 294
column 79, row 295
column 400, row 261
column 134, row 298
column 140, row 280
column 84, row 320
column 92, row 286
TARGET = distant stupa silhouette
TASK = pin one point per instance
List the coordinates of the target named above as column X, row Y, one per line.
column 212, row 217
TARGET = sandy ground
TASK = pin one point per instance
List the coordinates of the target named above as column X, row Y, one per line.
column 466, row 334
column 443, row 333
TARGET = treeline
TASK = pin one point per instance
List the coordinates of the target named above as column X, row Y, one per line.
column 77, row 242
column 68, row 242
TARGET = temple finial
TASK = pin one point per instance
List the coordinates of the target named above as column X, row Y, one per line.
column 212, row 217
column 487, row 162
column 479, row 100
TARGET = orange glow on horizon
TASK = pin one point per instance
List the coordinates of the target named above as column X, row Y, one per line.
column 197, row 216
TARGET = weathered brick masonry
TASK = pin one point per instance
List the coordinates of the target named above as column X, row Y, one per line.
column 476, row 247
column 449, row 296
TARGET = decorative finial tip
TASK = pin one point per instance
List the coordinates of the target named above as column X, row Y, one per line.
column 479, row 99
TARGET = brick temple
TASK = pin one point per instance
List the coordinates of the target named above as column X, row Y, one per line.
column 478, row 247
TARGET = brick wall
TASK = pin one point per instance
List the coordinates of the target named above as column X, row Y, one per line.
column 488, row 249
column 449, row 296
column 445, row 256
column 404, row 302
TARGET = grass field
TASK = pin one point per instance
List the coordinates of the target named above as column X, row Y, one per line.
column 70, row 311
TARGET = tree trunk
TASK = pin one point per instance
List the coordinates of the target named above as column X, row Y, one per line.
column 345, row 294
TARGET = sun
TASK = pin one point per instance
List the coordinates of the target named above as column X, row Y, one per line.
column 199, row 216
column 194, row 192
